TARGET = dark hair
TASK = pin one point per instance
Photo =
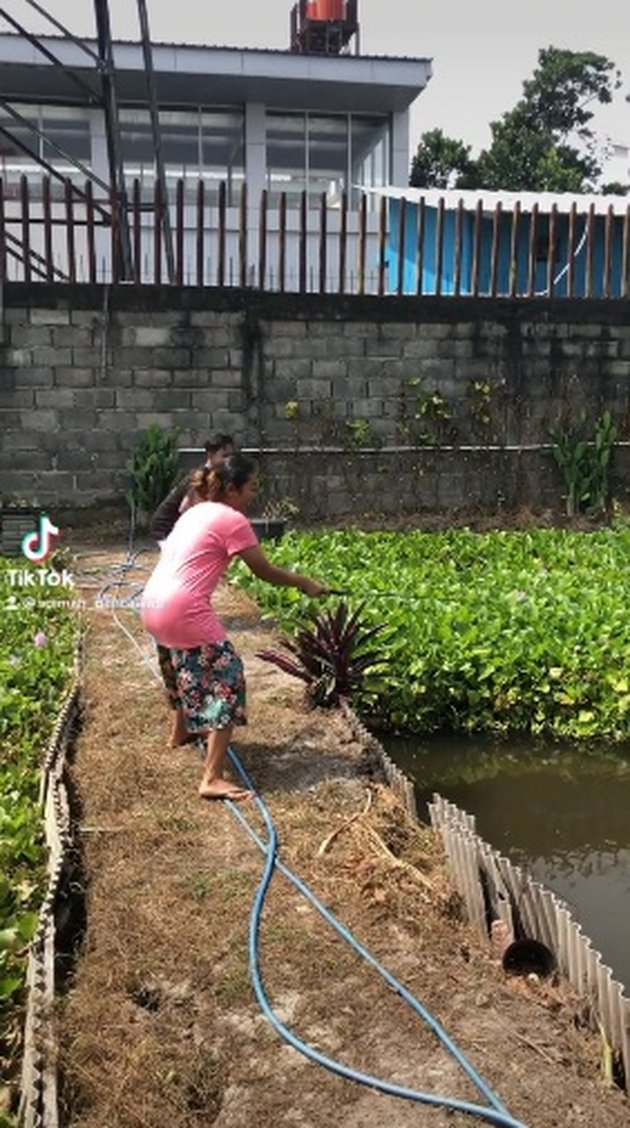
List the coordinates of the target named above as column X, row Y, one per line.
column 213, row 483
column 216, row 442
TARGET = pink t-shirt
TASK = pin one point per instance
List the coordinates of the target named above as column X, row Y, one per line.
column 175, row 605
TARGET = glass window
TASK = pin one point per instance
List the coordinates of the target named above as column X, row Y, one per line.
column 369, row 149
column 180, row 140
column 327, row 155
column 136, row 141
column 180, row 144
column 62, row 130
column 223, row 151
column 179, row 137
column 13, row 160
column 286, row 156
column 67, row 128
column 206, row 143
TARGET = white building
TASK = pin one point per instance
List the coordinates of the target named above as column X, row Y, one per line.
column 277, row 120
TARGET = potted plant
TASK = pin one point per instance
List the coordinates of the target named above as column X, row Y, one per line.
column 273, row 520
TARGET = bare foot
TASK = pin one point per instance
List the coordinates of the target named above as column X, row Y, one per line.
column 223, row 789
column 178, row 735
column 184, row 738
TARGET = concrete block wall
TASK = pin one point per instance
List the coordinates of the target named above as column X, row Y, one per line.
column 357, row 393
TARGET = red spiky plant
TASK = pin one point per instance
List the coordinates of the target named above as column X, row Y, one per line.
column 330, row 653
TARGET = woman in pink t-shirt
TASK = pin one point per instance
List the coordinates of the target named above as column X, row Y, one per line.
column 202, row 672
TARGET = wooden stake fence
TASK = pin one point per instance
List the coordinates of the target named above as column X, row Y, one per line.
column 222, row 240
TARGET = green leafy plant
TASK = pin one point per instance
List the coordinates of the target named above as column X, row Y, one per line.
column 427, row 418
column 154, row 469
column 585, row 464
column 433, row 406
column 330, row 654
column 293, row 413
column 360, row 432
column 37, row 638
column 481, row 391
column 500, row 632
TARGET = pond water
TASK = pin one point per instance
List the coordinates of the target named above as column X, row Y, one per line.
column 561, row 813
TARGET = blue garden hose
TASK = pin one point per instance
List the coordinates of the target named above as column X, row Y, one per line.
column 496, row 1114
column 493, row 1113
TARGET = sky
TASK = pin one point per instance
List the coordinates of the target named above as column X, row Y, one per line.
column 482, row 50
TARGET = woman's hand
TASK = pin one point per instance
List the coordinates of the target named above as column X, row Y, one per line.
column 313, row 588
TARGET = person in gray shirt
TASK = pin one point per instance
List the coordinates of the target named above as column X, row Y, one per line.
column 217, row 449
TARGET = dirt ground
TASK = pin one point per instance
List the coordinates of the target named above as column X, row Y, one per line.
column 160, row 1027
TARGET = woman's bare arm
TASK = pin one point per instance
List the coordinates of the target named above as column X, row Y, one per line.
column 262, row 567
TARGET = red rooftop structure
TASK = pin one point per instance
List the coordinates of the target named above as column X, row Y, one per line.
column 324, row 27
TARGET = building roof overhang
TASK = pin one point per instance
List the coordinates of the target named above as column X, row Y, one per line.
column 470, row 198
column 186, row 74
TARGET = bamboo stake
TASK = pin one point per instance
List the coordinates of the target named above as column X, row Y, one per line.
column 459, row 238
column 533, row 246
column 323, row 242
column 476, row 266
column 136, row 265
column 496, row 247
column 516, row 226
column 282, row 242
column 439, row 246
column 420, row 248
column 362, row 242
column 402, row 237
column 199, row 241
column 222, row 233
column 382, row 239
column 343, row 242
column 47, row 213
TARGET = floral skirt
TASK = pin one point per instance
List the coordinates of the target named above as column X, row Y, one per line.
column 207, row 683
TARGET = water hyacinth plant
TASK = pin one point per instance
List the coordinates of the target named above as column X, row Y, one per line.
column 501, row 632
column 330, row 653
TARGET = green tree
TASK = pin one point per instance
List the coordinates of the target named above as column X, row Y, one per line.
column 546, row 142
column 441, row 162
column 615, row 188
